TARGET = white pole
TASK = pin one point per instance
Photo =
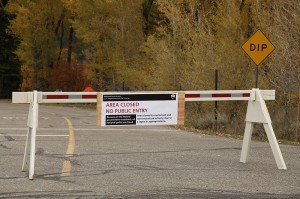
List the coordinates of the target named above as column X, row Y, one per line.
column 274, row 146
column 29, row 124
column 33, row 135
column 25, row 151
column 246, row 142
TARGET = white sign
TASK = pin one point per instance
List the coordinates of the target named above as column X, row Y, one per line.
column 139, row 109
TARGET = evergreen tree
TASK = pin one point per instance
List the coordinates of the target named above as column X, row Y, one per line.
column 9, row 63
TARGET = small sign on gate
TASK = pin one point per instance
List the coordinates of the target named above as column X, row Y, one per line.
column 141, row 109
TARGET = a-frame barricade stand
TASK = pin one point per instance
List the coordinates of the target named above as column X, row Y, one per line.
column 257, row 112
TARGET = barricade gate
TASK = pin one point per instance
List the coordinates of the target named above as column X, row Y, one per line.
column 257, row 112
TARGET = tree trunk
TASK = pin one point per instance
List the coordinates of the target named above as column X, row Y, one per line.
column 61, row 41
column 70, row 45
column 297, row 122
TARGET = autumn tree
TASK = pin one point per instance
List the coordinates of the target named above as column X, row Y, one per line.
column 46, row 38
column 182, row 46
column 34, row 25
column 111, row 32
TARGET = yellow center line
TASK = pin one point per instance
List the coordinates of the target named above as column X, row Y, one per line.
column 66, row 170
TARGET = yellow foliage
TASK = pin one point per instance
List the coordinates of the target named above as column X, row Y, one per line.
column 27, row 78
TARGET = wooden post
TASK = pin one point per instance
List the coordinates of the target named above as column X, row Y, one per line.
column 99, row 108
column 181, row 108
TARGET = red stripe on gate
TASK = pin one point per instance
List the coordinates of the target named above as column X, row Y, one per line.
column 192, row 95
column 221, row 95
column 89, row 96
column 246, row 94
column 57, row 96
column 216, row 95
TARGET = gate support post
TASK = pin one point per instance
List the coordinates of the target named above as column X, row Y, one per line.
column 33, row 134
column 246, row 142
column 26, row 149
column 257, row 112
column 32, row 124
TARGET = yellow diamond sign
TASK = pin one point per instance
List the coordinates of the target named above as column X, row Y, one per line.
column 258, row 47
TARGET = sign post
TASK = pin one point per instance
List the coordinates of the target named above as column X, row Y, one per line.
column 258, row 47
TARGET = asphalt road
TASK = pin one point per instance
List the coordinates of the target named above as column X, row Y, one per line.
column 132, row 162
